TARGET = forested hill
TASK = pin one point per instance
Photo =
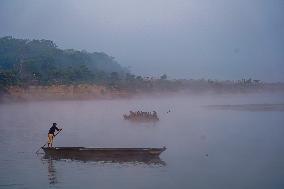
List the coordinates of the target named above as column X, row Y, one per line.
column 27, row 62
column 39, row 63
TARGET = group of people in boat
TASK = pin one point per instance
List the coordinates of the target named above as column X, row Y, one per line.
column 141, row 114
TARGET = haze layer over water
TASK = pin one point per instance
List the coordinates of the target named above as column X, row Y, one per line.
column 206, row 147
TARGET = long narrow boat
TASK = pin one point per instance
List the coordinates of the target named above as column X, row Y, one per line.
column 104, row 152
column 141, row 118
column 120, row 155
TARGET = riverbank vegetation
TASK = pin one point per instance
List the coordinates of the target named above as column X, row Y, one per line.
column 25, row 63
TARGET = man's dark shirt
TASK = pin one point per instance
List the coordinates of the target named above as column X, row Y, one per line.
column 52, row 130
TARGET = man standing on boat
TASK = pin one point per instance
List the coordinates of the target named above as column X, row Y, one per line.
column 51, row 134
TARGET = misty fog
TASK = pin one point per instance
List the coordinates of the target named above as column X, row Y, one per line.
column 221, row 39
column 199, row 141
column 213, row 72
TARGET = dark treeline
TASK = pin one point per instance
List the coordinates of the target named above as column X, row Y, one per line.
column 30, row 62
column 40, row 62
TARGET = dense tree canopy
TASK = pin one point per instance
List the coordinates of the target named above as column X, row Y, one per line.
column 25, row 61
column 40, row 62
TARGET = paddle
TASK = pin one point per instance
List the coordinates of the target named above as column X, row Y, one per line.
column 47, row 142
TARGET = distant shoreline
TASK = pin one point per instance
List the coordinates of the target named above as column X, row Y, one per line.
column 39, row 70
column 96, row 92
column 62, row 92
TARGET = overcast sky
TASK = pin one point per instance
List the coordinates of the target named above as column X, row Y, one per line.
column 217, row 39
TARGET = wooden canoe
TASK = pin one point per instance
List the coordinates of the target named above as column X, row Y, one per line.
column 141, row 118
column 114, row 152
column 120, row 155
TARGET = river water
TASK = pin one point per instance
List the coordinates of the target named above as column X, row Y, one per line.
column 206, row 147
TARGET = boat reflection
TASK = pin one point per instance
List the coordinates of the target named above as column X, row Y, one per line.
column 52, row 159
column 102, row 160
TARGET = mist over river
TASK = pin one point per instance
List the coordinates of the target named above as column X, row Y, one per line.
column 206, row 147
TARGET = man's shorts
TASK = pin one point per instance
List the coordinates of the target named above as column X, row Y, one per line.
column 50, row 138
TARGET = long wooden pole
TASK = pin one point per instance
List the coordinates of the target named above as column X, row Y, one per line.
column 47, row 142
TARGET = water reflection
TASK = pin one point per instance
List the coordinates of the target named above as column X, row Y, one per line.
column 51, row 160
column 102, row 160
column 52, row 178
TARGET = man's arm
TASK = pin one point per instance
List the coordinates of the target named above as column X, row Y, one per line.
column 57, row 129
